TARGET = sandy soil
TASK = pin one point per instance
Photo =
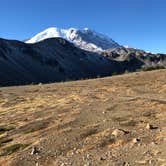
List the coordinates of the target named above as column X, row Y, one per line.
column 118, row 121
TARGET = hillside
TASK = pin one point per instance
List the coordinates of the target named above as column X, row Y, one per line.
column 52, row 60
column 57, row 60
column 117, row 121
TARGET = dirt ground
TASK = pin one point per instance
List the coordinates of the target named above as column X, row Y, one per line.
column 118, row 121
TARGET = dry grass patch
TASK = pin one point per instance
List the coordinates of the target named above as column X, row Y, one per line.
column 5, row 140
column 34, row 126
column 5, row 129
column 13, row 148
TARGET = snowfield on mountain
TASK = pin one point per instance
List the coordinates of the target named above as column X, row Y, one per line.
column 86, row 39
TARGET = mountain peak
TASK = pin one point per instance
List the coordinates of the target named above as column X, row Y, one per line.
column 86, row 38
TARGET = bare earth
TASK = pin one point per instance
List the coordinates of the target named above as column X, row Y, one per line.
column 118, row 121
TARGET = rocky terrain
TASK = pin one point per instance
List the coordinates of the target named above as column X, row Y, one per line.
column 135, row 59
column 117, row 121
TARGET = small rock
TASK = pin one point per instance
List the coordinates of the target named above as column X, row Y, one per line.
column 102, row 158
column 149, row 127
column 141, row 162
column 151, row 161
column 87, row 164
column 104, row 120
column 135, row 140
column 118, row 132
column 156, row 152
column 126, row 164
column 75, row 149
column 34, row 151
column 88, row 156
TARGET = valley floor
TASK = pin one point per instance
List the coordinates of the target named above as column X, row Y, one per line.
column 118, row 121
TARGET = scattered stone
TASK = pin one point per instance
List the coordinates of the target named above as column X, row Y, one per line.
column 102, row 158
column 75, row 149
column 135, row 140
column 87, row 164
column 156, row 152
column 104, row 120
column 88, row 156
column 109, row 153
column 141, row 162
column 153, row 143
column 34, row 151
column 126, row 164
column 150, row 161
column 149, row 127
column 118, row 132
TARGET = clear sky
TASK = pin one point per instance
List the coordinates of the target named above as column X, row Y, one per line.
column 136, row 23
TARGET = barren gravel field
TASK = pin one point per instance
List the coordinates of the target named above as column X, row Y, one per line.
column 113, row 121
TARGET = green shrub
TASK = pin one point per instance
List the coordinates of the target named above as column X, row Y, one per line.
column 152, row 68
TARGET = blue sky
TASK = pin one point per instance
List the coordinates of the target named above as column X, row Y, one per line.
column 137, row 23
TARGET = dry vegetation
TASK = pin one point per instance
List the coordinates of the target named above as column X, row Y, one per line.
column 111, row 122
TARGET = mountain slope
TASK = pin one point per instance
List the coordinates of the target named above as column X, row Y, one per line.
column 136, row 56
column 86, row 39
column 56, row 59
column 48, row 61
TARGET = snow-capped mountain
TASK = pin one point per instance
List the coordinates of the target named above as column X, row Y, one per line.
column 86, row 39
